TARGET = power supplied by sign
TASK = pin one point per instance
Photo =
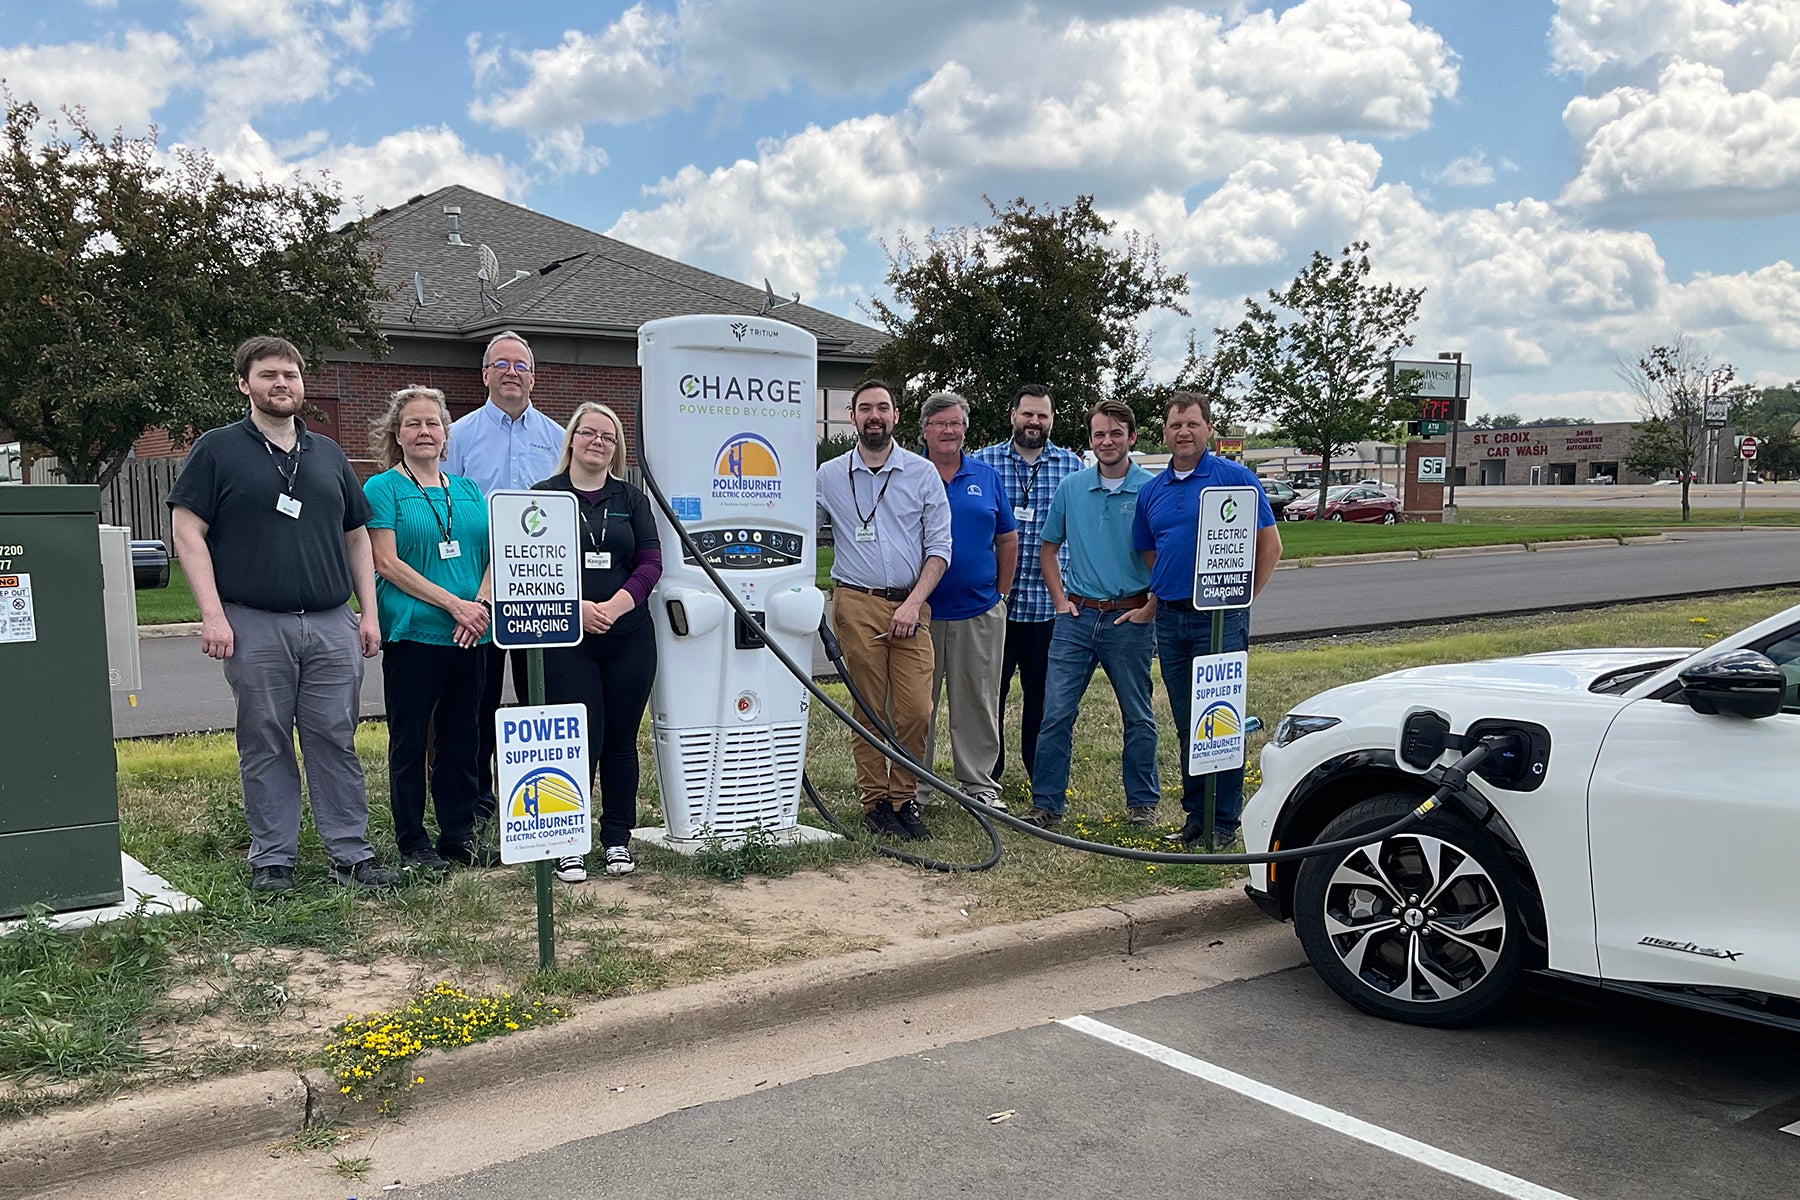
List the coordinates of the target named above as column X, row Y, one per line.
column 1225, row 551
column 546, row 802
column 1216, row 742
column 534, row 541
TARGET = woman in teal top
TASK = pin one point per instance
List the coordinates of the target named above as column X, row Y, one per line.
column 430, row 536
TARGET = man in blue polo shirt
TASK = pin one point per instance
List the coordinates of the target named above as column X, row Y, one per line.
column 968, row 606
column 1166, row 531
column 1104, row 615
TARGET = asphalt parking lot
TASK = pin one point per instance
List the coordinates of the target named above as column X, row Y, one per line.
column 1266, row 1088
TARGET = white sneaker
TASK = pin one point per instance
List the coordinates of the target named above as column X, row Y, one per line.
column 619, row 860
column 571, row 870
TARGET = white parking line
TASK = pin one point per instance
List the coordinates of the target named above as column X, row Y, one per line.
column 1318, row 1114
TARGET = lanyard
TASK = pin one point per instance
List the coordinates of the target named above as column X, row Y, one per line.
column 1031, row 480
column 447, row 526
column 581, row 503
column 869, row 520
column 290, row 457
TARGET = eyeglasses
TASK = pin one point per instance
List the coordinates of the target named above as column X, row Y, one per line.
column 504, row 365
column 945, row 424
column 589, row 435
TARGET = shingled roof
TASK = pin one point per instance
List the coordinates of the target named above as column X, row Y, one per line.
column 556, row 277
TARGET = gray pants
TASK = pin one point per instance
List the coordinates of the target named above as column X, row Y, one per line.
column 966, row 669
column 305, row 671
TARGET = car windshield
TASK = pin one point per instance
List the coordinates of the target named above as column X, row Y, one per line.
column 1338, row 493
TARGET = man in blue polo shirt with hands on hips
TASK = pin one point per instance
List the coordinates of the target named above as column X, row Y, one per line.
column 1166, row 531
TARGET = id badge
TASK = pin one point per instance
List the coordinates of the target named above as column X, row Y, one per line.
column 598, row 560
column 1022, row 513
column 865, row 533
column 287, row 506
column 449, row 549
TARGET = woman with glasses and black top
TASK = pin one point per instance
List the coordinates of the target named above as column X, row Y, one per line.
column 612, row 669
column 429, row 533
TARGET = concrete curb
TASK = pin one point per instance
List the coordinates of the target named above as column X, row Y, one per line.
column 1471, row 551
column 1576, row 544
column 1351, row 560
column 39, row 1153
column 1648, row 539
column 175, row 629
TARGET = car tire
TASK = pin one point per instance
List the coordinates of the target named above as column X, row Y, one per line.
column 1337, row 516
column 1389, row 517
column 1429, row 931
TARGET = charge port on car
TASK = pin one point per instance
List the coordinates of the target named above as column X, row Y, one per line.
column 1522, row 764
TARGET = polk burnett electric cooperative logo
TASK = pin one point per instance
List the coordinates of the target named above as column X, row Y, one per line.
column 747, row 468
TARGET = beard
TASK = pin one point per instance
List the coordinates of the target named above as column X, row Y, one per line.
column 1030, row 439
column 874, row 438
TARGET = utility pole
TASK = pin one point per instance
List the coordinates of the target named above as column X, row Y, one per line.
column 1456, row 401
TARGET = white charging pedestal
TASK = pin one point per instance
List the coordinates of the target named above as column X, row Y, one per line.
column 729, row 415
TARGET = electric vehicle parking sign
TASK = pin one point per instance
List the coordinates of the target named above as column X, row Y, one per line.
column 1225, row 551
column 534, row 543
column 1216, row 741
column 546, row 806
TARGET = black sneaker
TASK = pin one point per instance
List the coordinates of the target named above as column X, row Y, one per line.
column 1043, row 818
column 424, row 862
column 275, row 878
column 367, row 875
column 882, row 822
column 912, row 825
column 1193, row 832
column 472, row 854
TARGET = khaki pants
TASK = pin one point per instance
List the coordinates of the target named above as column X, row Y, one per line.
column 966, row 667
column 894, row 676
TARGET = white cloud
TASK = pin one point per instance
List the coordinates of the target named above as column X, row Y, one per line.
column 566, row 152
column 1595, row 404
column 1759, row 310
column 121, row 84
column 381, row 174
column 1471, row 170
column 623, row 73
column 1744, row 37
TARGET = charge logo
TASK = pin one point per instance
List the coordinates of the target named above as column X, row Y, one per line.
column 533, row 521
column 545, row 792
column 747, row 468
column 690, row 386
column 1219, row 720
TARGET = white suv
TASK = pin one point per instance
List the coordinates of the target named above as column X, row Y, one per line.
column 1641, row 836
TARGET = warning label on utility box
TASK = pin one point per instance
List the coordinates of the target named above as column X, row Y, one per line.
column 1225, row 552
column 18, row 619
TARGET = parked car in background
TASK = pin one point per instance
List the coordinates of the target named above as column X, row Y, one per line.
column 1353, row 502
column 150, row 563
column 1280, row 494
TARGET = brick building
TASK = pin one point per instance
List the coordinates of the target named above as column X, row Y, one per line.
column 1546, row 455
column 576, row 295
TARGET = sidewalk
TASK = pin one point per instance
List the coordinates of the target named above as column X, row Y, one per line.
column 925, row 954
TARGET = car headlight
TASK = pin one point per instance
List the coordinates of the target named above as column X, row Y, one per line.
column 1295, row 726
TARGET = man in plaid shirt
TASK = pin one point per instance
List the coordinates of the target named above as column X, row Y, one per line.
column 1031, row 466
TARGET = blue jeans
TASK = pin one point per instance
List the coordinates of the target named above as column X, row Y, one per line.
column 1179, row 637
column 1078, row 645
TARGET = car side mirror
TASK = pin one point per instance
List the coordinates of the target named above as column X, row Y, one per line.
column 1737, row 683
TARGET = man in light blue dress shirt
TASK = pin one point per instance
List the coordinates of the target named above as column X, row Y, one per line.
column 505, row 444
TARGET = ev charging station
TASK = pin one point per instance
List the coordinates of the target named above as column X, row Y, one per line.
column 728, row 429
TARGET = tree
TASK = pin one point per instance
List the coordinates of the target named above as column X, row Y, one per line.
column 1671, row 383
column 1038, row 296
column 125, row 284
column 1315, row 357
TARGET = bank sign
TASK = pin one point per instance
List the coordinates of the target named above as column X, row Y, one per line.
column 546, row 801
column 1225, row 551
column 534, row 547
column 1216, row 742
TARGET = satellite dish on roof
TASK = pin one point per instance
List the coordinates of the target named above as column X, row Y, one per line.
column 419, row 300
column 490, row 263
column 771, row 301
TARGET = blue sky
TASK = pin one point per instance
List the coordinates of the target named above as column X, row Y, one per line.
column 1570, row 180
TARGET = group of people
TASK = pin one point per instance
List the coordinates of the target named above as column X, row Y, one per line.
column 276, row 535
column 954, row 570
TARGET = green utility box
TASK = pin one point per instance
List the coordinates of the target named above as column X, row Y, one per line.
column 59, row 799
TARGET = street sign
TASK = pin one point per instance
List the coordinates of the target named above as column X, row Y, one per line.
column 1433, row 428
column 1717, row 412
column 1746, row 447
column 1431, row 469
column 1216, row 742
column 1225, row 551
column 534, row 544
column 546, row 806
column 1228, row 445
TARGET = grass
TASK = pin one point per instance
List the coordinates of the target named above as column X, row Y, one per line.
column 1663, row 517
column 1318, row 539
column 84, row 1012
column 167, row 605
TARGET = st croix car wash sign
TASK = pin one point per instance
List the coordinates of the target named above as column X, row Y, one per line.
column 1225, row 552
column 1216, row 742
column 546, row 808
column 534, row 539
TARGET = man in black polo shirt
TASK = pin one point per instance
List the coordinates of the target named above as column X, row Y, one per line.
column 269, row 521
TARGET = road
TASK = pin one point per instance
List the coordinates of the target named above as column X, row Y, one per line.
column 1298, row 1095
column 185, row 692
column 1759, row 497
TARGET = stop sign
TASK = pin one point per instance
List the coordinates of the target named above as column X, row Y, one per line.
column 1747, row 447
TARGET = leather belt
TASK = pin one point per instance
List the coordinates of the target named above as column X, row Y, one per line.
column 1122, row 604
column 1182, row 605
column 894, row 595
